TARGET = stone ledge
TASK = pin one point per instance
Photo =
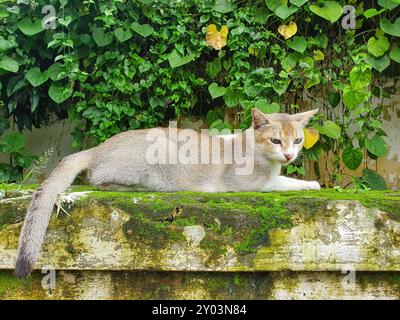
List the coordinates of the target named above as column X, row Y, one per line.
column 203, row 285
column 304, row 231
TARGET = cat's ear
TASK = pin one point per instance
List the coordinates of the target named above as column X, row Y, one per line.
column 259, row 119
column 304, row 117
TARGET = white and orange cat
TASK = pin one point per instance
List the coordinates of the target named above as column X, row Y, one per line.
column 137, row 158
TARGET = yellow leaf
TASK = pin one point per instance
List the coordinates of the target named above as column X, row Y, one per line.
column 288, row 30
column 318, row 55
column 311, row 137
column 216, row 39
column 253, row 51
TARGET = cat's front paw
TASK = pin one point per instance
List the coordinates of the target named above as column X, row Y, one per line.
column 312, row 185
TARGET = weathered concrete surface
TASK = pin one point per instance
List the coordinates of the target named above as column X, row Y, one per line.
column 203, row 285
column 131, row 245
column 323, row 231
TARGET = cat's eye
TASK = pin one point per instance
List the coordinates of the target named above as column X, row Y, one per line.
column 275, row 141
column 298, row 140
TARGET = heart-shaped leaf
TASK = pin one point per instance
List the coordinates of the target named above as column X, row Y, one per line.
column 379, row 64
column 373, row 180
column 223, row 6
column 101, row 38
column 390, row 28
column 36, row 77
column 378, row 46
column 352, row 98
column 352, row 157
column 298, row 44
column 144, row 30
column 9, row 64
column 284, row 11
column 360, row 77
column 395, row 54
column 372, row 12
column 59, row 93
column 265, row 107
column 65, row 21
column 56, row 72
column 288, row 30
column 216, row 91
column 123, row 35
column 377, row 146
column 29, row 27
column 388, row 4
column 298, row 3
column 329, row 129
column 176, row 59
column 330, row 10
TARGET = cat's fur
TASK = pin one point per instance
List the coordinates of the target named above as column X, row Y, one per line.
column 122, row 160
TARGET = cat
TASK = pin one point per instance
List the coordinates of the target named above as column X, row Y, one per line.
column 138, row 158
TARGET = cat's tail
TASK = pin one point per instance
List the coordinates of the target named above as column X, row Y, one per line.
column 41, row 207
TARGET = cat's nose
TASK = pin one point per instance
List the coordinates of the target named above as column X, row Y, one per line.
column 288, row 156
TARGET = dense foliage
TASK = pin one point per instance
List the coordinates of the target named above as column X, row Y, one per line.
column 119, row 65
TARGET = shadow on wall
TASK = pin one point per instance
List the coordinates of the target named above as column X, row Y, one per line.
column 56, row 135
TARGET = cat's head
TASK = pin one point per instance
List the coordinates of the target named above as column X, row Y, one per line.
column 280, row 136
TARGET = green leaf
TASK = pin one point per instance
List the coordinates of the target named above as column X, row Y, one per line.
column 122, row 34
column 298, row 3
column 36, row 77
column 378, row 47
column 176, row 59
column 252, row 90
column 59, row 93
column 329, row 129
column 9, row 64
column 280, row 8
column 334, row 99
column 284, row 11
column 214, row 67
column 352, row 98
column 265, row 107
column 12, row 142
column 373, row 180
column 330, row 10
column 388, row 4
column 360, row 77
column 101, row 38
column 372, row 12
column 65, row 21
column 7, row 44
column 395, row 54
column 280, row 86
column 379, row 64
column 216, row 91
column 377, row 146
column 56, row 72
column 231, row 98
column 30, row 28
column 223, row 6
column 390, row 28
column 298, row 44
column 352, row 157
column 144, row 30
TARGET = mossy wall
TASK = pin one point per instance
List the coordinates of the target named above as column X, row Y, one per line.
column 112, row 234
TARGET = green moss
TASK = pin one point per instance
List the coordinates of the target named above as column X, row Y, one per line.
column 244, row 219
column 10, row 283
